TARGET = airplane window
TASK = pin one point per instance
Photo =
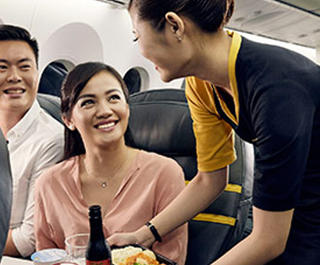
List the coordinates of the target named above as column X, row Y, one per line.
column 66, row 64
column 136, row 79
column 51, row 78
column 116, row 3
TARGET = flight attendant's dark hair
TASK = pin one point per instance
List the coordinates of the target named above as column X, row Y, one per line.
column 209, row 15
column 73, row 84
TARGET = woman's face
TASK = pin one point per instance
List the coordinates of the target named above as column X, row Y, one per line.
column 169, row 55
column 101, row 112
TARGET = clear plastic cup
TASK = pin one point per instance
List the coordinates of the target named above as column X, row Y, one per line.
column 76, row 246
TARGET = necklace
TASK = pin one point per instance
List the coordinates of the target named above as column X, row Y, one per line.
column 102, row 184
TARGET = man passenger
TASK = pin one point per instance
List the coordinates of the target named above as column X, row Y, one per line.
column 35, row 139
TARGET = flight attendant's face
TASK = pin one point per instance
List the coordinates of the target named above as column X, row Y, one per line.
column 169, row 54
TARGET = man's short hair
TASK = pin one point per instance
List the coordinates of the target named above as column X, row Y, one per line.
column 10, row 32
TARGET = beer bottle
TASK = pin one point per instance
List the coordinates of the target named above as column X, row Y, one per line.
column 98, row 252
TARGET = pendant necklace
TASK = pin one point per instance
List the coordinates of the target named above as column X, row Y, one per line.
column 102, row 184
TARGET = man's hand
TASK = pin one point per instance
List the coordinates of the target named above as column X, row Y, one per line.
column 10, row 248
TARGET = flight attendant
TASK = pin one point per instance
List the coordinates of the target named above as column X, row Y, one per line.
column 269, row 96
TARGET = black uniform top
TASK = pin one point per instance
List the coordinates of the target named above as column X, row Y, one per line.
column 277, row 108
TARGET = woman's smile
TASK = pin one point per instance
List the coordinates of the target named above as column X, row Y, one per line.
column 107, row 125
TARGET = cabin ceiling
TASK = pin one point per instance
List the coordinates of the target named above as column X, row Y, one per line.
column 293, row 21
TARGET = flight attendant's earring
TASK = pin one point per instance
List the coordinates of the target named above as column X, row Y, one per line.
column 71, row 127
column 179, row 38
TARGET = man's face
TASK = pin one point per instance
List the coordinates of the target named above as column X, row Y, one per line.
column 18, row 77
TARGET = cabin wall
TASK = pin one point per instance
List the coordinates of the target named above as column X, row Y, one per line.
column 77, row 31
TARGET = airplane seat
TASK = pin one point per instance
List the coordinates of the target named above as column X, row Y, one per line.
column 51, row 104
column 52, row 78
column 160, row 122
column 132, row 80
column 5, row 192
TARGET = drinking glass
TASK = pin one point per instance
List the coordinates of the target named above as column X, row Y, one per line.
column 76, row 246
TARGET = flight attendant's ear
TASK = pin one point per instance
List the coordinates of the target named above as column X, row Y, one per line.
column 176, row 24
column 229, row 11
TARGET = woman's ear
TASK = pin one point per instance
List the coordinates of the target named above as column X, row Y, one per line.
column 68, row 123
column 229, row 11
column 176, row 24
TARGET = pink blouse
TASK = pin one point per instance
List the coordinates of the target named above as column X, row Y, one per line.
column 152, row 183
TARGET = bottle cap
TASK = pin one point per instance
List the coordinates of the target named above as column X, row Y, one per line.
column 94, row 210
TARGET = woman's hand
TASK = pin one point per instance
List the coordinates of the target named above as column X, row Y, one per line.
column 142, row 237
column 121, row 239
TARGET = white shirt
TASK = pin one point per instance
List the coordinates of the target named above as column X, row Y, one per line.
column 35, row 142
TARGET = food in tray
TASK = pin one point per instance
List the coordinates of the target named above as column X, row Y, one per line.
column 133, row 256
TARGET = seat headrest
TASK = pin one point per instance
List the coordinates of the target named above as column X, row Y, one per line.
column 50, row 104
column 160, row 121
column 52, row 78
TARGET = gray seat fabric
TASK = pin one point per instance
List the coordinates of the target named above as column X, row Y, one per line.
column 5, row 192
column 51, row 104
column 160, row 122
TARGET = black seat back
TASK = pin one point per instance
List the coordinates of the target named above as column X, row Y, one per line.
column 52, row 78
column 5, row 192
column 160, row 122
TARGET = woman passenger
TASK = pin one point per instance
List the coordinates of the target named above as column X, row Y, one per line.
column 270, row 96
column 131, row 185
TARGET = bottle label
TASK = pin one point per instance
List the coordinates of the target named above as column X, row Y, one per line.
column 99, row 262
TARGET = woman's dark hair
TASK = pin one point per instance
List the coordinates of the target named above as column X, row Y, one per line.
column 10, row 32
column 207, row 14
column 73, row 84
